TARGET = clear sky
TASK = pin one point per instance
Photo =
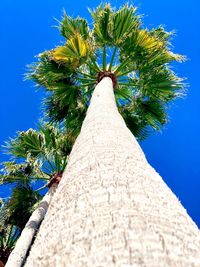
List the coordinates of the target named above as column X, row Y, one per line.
column 26, row 29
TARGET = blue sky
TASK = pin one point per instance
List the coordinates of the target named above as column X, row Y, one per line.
column 26, row 29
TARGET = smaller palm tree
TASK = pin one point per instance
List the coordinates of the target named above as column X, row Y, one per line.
column 36, row 155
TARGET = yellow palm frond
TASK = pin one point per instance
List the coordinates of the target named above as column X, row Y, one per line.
column 75, row 50
column 143, row 39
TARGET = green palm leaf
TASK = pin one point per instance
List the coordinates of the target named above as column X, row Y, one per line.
column 48, row 73
column 22, row 204
column 70, row 27
column 102, row 24
column 161, row 83
column 25, row 172
column 27, row 143
column 125, row 21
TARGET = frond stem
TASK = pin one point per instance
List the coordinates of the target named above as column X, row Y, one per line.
column 126, row 84
column 86, row 79
column 124, row 96
column 122, row 65
column 112, row 59
column 42, row 187
column 104, row 58
column 87, row 84
column 127, row 72
column 95, row 65
column 85, row 74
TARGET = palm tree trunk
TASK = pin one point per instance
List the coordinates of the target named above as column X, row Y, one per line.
column 18, row 255
column 111, row 208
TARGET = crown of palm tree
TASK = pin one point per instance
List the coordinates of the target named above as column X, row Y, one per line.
column 37, row 154
column 118, row 46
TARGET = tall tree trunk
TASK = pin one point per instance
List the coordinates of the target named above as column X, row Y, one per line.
column 18, row 255
column 111, row 208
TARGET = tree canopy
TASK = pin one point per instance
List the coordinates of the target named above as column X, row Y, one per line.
column 116, row 45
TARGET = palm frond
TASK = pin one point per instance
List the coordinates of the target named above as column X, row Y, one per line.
column 69, row 27
column 61, row 103
column 102, row 16
column 152, row 112
column 26, row 143
column 25, row 172
column 74, row 53
column 47, row 73
column 8, row 237
column 125, row 21
column 135, row 123
column 21, row 205
column 161, row 83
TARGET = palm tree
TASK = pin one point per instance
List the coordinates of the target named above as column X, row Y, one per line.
column 111, row 207
column 43, row 156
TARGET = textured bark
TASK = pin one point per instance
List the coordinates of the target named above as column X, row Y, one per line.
column 111, row 208
column 18, row 255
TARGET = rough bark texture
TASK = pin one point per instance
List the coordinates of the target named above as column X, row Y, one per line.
column 18, row 255
column 111, row 207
